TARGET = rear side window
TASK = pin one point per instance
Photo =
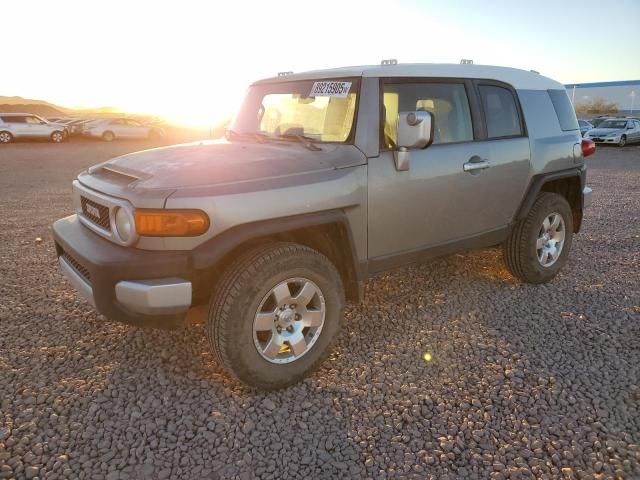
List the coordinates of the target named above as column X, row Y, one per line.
column 500, row 112
column 564, row 109
column 14, row 119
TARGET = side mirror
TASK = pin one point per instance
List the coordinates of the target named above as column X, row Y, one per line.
column 630, row 127
column 415, row 130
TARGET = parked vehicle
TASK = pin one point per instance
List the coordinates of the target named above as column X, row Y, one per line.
column 616, row 131
column 325, row 178
column 584, row 126
column 77, row 124
column 113, row 128
column 25, row 125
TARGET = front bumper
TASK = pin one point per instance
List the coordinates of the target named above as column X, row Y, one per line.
column 133, row 286
column 612, row 140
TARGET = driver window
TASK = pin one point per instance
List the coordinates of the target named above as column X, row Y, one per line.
column 33, row 121
column 447, row 102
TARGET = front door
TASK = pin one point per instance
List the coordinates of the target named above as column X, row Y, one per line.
column 461, row 186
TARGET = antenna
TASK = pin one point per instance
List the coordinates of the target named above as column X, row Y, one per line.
column 390, row 61
column 466, row 61
column 284, row 74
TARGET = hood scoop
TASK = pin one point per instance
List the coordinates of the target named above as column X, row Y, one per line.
column 113, row 175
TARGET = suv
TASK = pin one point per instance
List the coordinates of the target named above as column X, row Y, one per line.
column 25, row 125
column 325, row 178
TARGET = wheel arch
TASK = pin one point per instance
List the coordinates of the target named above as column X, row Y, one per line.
column 327, row 232
column 568, row 183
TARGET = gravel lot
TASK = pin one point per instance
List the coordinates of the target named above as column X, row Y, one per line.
column 525, row 381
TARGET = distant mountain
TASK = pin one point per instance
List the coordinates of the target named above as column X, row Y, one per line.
column 27, row 105
column 42, row 110
column 46, row 109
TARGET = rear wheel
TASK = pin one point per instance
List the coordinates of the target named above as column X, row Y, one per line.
column 538, row 246
column 57, row 137
column 274, row 313
column 5, row 137
column 623, row 141
column 108, row 136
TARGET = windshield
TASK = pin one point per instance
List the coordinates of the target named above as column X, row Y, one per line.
column 613, row 124
column 321, row 110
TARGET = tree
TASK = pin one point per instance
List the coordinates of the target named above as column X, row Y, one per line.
column 597, row 105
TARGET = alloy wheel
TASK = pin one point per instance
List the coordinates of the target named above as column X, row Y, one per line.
column 550, row 239
column 289, row 320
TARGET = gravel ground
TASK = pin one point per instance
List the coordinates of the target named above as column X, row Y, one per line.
column 524, row 382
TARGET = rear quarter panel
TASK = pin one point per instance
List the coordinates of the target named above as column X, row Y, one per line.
column 551, row 148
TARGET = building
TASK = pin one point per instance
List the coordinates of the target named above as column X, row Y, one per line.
column 625, row 94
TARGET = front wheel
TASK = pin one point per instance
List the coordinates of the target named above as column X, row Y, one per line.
column 538, row 245
column 623, row 141
column 57, row 137
column 274, row 313
column 108, row 136
column 5, row 137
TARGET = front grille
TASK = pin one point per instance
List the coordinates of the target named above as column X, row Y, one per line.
column 77, row 266
column 98, row 214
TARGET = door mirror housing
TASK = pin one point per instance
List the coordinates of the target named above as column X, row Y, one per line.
column 415, row 130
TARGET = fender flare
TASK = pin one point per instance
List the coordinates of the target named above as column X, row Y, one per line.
column 536, row 183
column 213, row 251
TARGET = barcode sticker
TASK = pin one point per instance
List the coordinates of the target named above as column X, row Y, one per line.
column 330, row 89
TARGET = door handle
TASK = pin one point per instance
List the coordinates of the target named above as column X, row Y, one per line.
column 472, row 166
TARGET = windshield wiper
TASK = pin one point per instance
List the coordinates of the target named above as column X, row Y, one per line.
column 259, row 137
column 306, row 141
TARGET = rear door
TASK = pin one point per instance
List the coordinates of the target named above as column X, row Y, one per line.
column 136, row 129
column 18, row 125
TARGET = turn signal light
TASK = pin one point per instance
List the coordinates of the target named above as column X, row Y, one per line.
column 170, row 223
column 588, row 147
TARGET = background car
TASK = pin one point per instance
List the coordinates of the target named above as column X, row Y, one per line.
column 75, row 126
column 112, row 128
column 584, row 126
column 616, row 131
column 25, row 125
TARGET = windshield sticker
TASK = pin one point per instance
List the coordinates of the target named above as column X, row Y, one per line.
column 330, row 89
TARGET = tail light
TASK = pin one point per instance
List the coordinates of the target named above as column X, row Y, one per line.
column 588, row 147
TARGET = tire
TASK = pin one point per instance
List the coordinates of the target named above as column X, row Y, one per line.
column 623, row 141
column 246, row 291
column 57, row 137
column 521, row 252
column 108, row 136
column 6, row 137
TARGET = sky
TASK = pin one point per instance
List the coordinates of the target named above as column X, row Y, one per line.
column 191, row 61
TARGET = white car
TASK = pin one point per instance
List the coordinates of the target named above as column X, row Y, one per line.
column 26, row 125
column 616, row 131
column 112, row 128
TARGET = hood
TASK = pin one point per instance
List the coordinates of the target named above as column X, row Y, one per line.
column 604, row 131
column 221, row 162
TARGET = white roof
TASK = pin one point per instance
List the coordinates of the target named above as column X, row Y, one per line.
column 519, row 79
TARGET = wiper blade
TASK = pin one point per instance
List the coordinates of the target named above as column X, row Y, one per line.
column 303, row 139
column 259, row 137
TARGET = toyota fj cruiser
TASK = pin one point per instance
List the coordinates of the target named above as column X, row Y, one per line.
column 325, row 178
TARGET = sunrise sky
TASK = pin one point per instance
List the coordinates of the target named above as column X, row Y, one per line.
column 191, row 61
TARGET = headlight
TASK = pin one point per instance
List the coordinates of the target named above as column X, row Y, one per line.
column 171, row 223
column 124, row 225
